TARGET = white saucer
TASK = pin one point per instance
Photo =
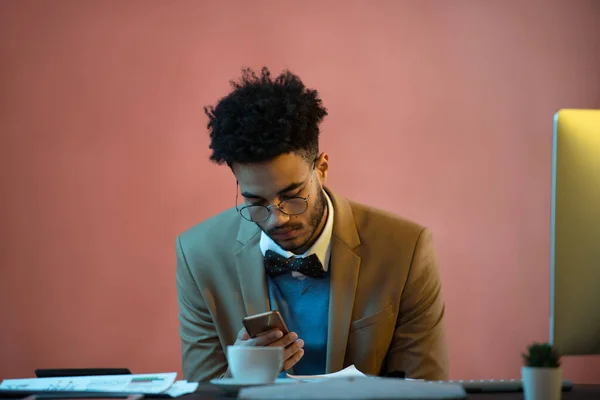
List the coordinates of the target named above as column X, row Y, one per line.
column 234, row 385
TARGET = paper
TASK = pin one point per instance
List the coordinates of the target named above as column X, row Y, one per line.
column 359, row 388
column 347, row 372
column 143, row 384
column 180, row 388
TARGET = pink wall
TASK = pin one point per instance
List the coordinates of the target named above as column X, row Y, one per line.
column 439, row 111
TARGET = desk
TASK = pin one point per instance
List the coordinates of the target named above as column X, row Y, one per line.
column 206, row 391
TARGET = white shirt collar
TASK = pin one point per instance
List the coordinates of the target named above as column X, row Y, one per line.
column 322, row 247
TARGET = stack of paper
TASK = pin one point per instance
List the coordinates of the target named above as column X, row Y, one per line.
column 347, row 372
column 163, row 383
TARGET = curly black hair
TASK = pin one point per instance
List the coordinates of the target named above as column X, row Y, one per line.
column 263, row 118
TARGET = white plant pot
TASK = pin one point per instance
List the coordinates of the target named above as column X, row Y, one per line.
column 541, row 383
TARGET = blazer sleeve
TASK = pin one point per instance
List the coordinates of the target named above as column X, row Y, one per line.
column 419, row 346
column 202, row 355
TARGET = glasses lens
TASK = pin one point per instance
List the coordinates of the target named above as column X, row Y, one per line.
column 293, row 206
column 255, row 213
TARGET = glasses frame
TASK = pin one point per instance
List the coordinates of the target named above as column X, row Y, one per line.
column 278, row 205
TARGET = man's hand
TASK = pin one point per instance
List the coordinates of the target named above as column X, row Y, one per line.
column 292, row 346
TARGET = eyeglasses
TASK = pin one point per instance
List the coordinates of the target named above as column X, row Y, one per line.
column 291, row 206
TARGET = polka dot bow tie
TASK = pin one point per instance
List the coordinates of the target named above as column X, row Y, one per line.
column 276, row 264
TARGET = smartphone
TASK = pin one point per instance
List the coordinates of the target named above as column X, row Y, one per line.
column 259, row 323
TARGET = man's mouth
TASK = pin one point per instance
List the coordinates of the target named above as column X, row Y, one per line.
column 286, row 234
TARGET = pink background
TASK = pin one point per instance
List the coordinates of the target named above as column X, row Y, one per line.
column 439, row 111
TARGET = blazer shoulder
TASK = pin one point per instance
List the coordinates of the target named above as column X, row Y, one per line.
column 375, row 221
column 218, row 230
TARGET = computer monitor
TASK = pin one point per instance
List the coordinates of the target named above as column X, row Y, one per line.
column 575, row 233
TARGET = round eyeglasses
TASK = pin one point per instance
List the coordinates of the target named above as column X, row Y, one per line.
column 260, row 213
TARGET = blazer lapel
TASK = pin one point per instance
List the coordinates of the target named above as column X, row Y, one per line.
column 345, row 267
column 250, row 268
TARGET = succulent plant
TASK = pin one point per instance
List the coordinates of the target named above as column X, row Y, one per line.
column 541, row 355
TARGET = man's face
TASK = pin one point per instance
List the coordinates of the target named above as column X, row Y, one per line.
column 282, row 178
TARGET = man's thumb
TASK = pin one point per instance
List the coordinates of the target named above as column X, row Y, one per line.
column 243, row 335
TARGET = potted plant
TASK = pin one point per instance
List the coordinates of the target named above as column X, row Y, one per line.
column 541, row 373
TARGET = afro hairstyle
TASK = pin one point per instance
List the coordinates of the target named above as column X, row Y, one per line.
column 263, row 118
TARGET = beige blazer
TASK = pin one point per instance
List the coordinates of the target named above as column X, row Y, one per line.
column 386, row 311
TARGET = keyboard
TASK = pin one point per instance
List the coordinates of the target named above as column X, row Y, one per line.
column 498, row 385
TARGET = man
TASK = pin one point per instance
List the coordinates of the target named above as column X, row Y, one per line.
column 354, row 284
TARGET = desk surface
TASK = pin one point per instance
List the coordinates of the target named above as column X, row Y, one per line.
column 206, row 391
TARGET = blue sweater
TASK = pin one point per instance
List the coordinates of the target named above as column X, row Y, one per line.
column 304, row 306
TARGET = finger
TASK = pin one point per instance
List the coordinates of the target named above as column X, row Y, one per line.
column 243, row 335
column 290, row 362
column 267, row 338
column 293, row 348
column 286, row 340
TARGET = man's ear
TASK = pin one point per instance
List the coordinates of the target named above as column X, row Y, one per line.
column 322, row 167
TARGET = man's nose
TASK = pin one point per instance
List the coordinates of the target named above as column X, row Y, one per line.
column 277, row 217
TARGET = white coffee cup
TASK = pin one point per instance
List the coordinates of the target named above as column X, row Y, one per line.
column 255, row 365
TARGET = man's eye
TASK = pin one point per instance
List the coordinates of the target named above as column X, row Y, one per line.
column 291, row 196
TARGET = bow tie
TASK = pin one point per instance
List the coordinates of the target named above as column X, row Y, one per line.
column 276, row 264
